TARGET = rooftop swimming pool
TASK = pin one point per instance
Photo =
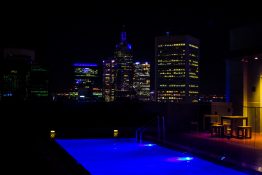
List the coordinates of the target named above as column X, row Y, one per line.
column 119, row 156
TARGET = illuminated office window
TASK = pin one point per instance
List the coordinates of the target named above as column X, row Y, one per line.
column 141, row 81
column 177, row 68
column 85, row 79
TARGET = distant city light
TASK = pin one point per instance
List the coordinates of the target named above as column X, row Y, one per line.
column 137, row 63
column 256, row 58
column 115, row 133
column 82, row 96
column 123, row 36
column 222, row 158
column 85, row 65
column 146, row 62
column 85, row 70
column 129, row 46
column 8, row 94
column 52, row 134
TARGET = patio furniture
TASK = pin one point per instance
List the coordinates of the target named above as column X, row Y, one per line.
column 234, row 121
column 244, row 132
column 227, row 129
column 210, row 119
column 217, row 130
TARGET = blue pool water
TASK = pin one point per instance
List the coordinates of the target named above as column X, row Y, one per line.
column 127, row 157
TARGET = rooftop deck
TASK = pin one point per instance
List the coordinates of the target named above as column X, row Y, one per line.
column 233, row 152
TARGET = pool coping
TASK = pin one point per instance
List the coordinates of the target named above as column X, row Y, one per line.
column 218, row 159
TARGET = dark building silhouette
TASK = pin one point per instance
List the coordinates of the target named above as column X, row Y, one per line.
column 38, row 83
column 15, row 73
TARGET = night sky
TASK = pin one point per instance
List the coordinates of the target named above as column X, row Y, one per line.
column 84, row 32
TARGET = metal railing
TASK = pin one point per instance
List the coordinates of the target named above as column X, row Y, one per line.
column 160, row 129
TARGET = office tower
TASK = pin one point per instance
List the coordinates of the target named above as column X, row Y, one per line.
column 109, row 80
column 124, row 69
column 176, row 68
column 38, row 84
column 141, row 81
column 15, row 73
column 86, row 80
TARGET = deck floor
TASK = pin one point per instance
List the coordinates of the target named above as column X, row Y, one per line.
column 239, row 153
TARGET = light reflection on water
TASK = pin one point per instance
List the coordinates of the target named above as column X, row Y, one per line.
column 124, row 156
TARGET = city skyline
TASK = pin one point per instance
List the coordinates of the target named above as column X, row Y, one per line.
column 91, row 34
column 185, row 78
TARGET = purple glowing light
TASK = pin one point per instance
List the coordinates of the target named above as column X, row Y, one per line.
column 85, row 65
column 85, row 70
column 129, row 46
column 178, row 159
column 123, row 36
column 78, row 81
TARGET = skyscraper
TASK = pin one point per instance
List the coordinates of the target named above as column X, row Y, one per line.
column 15, row 73
column 124, row 69
column 141, row 81
column 38, row 86
column 176, row 68
column 85, row 80
column 109, row 80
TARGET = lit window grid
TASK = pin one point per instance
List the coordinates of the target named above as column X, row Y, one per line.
column 194, row 46
column 171, row 45
column 85, row 71
column 141, row 81
column 165, row 54
column 108, row 80
column 85, row 77
column 178, row 89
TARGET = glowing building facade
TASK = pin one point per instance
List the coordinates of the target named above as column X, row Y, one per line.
column 124, row 69
column 109, row 80
column 244, row 74
column 252, row 90
column 85, row 80
column 176, row 68
column 141, row 81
